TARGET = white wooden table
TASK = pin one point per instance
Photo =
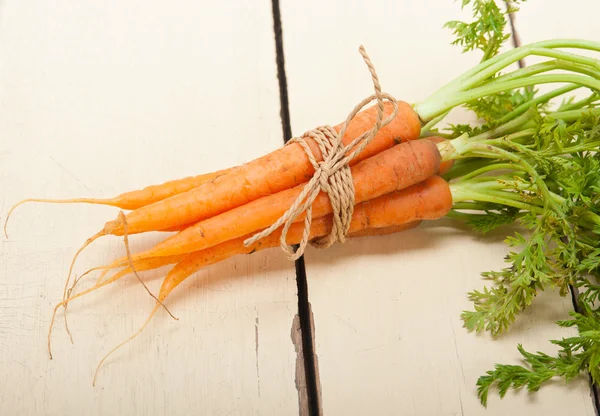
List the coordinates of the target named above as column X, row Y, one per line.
column 100, row 98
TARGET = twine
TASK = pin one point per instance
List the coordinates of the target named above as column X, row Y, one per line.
column 332, row 175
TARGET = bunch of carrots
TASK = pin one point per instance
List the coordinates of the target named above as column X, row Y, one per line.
column 488, row 175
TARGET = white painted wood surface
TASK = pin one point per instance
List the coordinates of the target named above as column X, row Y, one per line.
column 97, row 98
column 388, row 333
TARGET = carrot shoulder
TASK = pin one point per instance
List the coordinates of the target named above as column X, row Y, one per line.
column 396, row 168
column 446, row 165
column 281, row 169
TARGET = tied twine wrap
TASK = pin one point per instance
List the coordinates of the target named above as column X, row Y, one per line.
column 332, row 175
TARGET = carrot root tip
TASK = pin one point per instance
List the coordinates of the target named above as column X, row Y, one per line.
column 139, row 331
column 56, row 201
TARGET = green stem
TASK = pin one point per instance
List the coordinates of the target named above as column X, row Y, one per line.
column 464, row 166
column 567, row 56
column 573, row 115
column 546, row 67
column 492, row 151
column 579, row 104
column 453, row 213
column 488, row 168
column 485, row 181
column 467, row 205
column 431, row 109
column 459, row 215
column 501, row 61
column 447, row 136
column 513, row 137
column 574, row 149
column 541, row 99
column 465, row 193
column 504, row 128
column 425, row 129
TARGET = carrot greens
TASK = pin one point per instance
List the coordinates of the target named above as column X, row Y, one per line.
column 534, row 166
column 487, row 31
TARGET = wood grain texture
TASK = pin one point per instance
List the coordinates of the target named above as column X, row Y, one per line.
column 97, row 98
column 388, row 333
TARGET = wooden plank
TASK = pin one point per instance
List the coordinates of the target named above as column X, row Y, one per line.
column 388, row 334
column 100, row 98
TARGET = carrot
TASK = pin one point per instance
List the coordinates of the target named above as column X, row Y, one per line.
column 446, row 165
column 282, row 169
column 393, row 169
column 393, row 212
column 427, row 200
column 430, row 199
column 134, row 199
column 151, row 263
column 392, row 229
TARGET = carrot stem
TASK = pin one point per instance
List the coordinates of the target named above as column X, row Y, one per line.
column 471, row 85
column 503, row 60
column 546, row 67
column 488, row 168
column 430, row 110
column 541, row 99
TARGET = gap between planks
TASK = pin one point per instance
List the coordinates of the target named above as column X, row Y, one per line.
column 302, row 331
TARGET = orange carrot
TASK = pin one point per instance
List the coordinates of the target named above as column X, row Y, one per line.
column 427, row 200
column 151, row 263
column 430, row 199
column 232, row 246
column 281, row 169
column 393, row 169
column 393, row 229
column 156, row 262
column 134, row 199
column 393, row 212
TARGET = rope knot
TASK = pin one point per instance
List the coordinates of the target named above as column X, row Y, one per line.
column 332, row 175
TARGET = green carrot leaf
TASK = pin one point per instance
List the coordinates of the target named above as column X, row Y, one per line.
column 577, row 354
column 487, row 31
